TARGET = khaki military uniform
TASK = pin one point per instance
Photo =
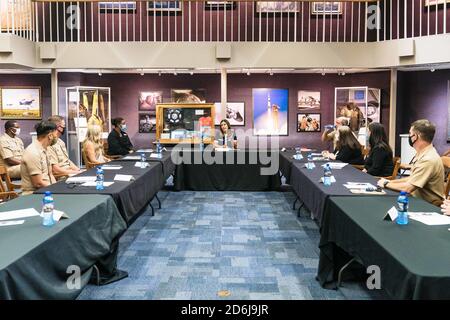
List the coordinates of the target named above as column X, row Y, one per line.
column 34, row 161
column 427, row 174
column 11, row 148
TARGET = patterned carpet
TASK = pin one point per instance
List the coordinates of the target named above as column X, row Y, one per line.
column 250, row 244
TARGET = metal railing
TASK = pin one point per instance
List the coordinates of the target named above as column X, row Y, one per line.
column 218, row 21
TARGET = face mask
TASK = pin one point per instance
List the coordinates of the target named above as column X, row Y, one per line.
column 123, row 128
column 17, row 132
column 411, row 143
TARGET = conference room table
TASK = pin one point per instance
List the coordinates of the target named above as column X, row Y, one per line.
column 165, row 158
column 131, row 197
column 36, row 262
column 413, row 259
column 234, row 170
column 314, row 194
column 287, row 160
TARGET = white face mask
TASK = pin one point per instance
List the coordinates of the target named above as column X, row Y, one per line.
column 17, row 132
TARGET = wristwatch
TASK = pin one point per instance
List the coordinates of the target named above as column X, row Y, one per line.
column 385, row 183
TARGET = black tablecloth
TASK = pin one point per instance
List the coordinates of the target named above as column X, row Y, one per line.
column 414, row 259
column 287, row 159
column 314, row 194
column 241, row 170
column 130, row 197
column 34, row 259
column 168, row 166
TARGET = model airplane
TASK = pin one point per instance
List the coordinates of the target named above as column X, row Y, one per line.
column 25, row 102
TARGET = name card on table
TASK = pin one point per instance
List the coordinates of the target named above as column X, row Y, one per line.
column 332, row 178
column 94, row 184
column 391, row 215
column 123, row 177
column 138, row 164
column 297, row 156
column 310, row 165
column 156, row 155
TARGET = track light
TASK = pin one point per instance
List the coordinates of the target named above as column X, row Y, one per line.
column 432, row 70
column 248, row 72
column 191, row 73
column 142, row 72
column 175, row 73
column 99, row 74
column 271, row 72
column 159, row 73
column 323, row 72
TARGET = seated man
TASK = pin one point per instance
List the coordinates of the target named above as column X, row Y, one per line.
column 427, row 172
column 57, row 154
column 119, row 143
column 35, row 167
column 11, row 149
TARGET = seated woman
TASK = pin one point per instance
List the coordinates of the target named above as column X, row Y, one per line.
column 379, row 161
column 119, row 143
column 348, row 149
column 225, row 137
column 92, row 146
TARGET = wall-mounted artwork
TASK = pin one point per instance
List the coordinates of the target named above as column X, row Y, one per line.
column 277, row 6
column 15, row 10
column 147, row 122
column 308, row 100
column 235, row 113
column 164, row 6
column 270, row 111
column 328, row 7
column 448, row 111
column 188, row 95
column 308, row 122
column 435, row 2
column 219, row 5
column 149, row 99
column 116, row 6
column 20, row 103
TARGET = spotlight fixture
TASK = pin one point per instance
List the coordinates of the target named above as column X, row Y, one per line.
column 191, row 73
column 175, row 73
column 323, row 72
column 271, row 72
column 432, row 70
column 343, row 73
column 99, row 74
column 248, row 72
column 159, row 73
column 142, row 72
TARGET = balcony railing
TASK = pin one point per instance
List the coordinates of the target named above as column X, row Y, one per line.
column 219, row 21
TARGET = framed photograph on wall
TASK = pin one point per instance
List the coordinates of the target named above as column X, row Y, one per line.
column 435, row 2
column 329, row 7
column 147, row 122
column 164, row 6
column 270, row 111
column 117, row 6
column 235, row 113
column 308, row 122
column 308, row 100
column 277, row 7
column 149, row 99
column 188, row 95
column 20, row 103
column 219, row 5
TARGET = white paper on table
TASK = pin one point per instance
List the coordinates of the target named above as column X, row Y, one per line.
column 430, row 218
column 359, row 185
column 222, row 149
column 335, row 165
column 332, row 178
column 112, row 167
column 138, row 164
column 145, row 150
column 123, row 177
column 81, row 179
column 310, row 165
column 17, row 214
column 57, row 215
column 94, row 184
column 318, row 159
column 11, row 223
column 316, row 154
column 297, row 156
column 132, row 158
column 156, row 155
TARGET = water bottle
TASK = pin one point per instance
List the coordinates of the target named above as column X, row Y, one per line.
column 309, row 157
column 143, row 161
column 158, row 147
column 202, row 146
column 402, row 208
column 327, row 175
column 100, row 178
column 47, row 209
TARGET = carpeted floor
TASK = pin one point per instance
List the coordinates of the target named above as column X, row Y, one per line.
column 249, row 245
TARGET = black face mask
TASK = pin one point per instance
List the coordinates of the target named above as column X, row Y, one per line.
column 411, row 143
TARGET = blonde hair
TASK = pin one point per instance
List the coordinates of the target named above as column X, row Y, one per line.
column 93, row 136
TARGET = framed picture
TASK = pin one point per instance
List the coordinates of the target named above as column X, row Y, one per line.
column 219, row 5
column 270, row 111
column 149, row 99
column 147, row 122
column 235, row 113
column 308, row 100
column 277, row 6
column 164, row 6
column 116, row 6
column 188, row 95
column 329, row 7
column 20, row 103
column 308, row 122
column 435, row 2
column 14, row 10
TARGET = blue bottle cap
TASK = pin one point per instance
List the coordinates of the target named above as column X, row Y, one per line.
column 403, row 193
column 48, row 193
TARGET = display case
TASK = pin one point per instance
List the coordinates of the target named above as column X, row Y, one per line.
column 86, row 106
column 361, row 106
column 184, row 123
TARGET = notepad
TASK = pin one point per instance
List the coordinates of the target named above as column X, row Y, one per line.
column 155, row 155
column 430, row 218
column 110, row 167
column 359, row 185
column 81, row 179
column 94, row 184
column 11, row 223
column 145, row 150
column 335, row 165
column 17, row 214
column 123, row 177
column 132, row 158
column 138, row 164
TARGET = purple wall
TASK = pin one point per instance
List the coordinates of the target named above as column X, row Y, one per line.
column 423, row 95
column 125, row 89
column 43, row 81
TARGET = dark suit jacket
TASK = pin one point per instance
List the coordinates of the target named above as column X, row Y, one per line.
column 118, row 145
column 379, row 162
column 352, row 156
